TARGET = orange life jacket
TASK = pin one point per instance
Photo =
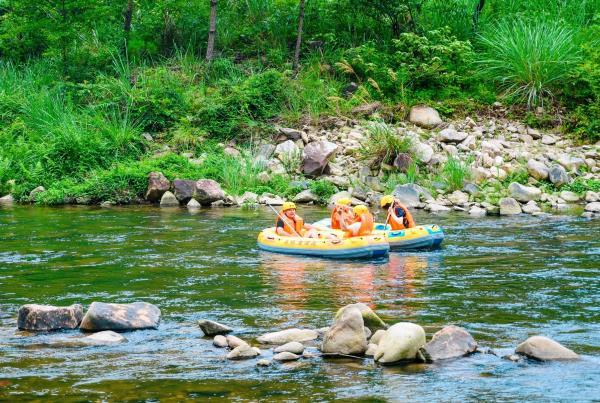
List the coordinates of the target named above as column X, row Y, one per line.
column 366, row 224
column 336, row 217
column 297, row 221
column 407, row 221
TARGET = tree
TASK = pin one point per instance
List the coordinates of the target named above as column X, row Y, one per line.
column 298, row 37
column 400, row 14
column 212, row 31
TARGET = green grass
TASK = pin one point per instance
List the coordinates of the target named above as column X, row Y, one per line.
column 454, row 173
column 383, row 144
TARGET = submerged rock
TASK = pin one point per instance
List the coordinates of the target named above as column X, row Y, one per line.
column 211, row 328
column 220, row 341
column 233, row 341
column 593, row 207
column 401, row 342
column 263, row 362
column 286, row 356
column 243, row 352
column 193, row 204
column 288, row 335
column 346, row 335
column 291, row 347
column 105, row 337
column 545, row 349
column 35, row 317
column 370, row 318
column 450, row 342
column 7, row 200
column 135, row 316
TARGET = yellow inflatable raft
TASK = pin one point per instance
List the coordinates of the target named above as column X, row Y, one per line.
column 372, row 246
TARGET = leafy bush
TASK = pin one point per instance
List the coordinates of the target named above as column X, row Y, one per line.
column 323, row 190
column 383, row 144
column 530, row 59
column 581, row 186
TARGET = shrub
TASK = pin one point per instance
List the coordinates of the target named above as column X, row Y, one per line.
column 454, row 173
column 383, row 144
column 530, row 59
column 323, row 190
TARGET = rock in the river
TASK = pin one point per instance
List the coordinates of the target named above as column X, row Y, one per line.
column 424, row 116
column 158, row 184
column 233, row 341
column 376, row 338
column 524, row 193
column 450, row 342
column 545, row 349
column 537, row 170
column 183, row 189
column 569, row 197
column 134, row 316
column 401, row 342
column 211, row 328
column 346, row 335
column 208, row 191
column 7, row 200
column 316, row 156
column 168, row 199
column 263, row 362
column 306, row 196
column 477, row 211
column 193, row 204
column 286, row 356
column 450, row 135
column 270, row 199
column 104, row 337
column 288, row 335
column 243, row 352
column 291, row 347
column 458, row 198
column 407, row 195
column 593, row 207
column 370, row 318
column 531, row 207
column 220, row 341
column 558, row 175
column 509, row 206
column 371, row 348
column 35, row 317
column 35, row 192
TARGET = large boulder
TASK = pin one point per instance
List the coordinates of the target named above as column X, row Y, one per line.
column 424, row 116
column 207, row 191
column 168, row 199
column 558, row 175
column 35, row 317
column 524, row 193
column 211, row 328
column 134, row 316
column 346, row 335
column 450, row 135
column 376, row 337
column 545, row 349
column 370, row 318
column 509, row 206
column 407, row 195
column 401, row 342
column 288, row 335
column 158, row 184
column 450, row 342
column 316, row 156
column 184, row 190
column 537, row 169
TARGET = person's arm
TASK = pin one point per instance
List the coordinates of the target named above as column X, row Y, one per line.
column 280, row 228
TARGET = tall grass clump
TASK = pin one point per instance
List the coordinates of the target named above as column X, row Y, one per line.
column 383, row 144
column 529, row 59
column 455, row 173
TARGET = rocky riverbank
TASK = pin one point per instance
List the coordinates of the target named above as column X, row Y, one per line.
column 480, row 165
column 356, row 331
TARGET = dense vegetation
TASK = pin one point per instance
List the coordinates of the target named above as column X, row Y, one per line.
column 82, row 81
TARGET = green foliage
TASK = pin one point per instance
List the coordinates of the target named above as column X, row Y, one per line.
column 383, row 144
column 520, row 175
column 530, row 59
column 323, row 190
column 581, row 186
column 455, row 173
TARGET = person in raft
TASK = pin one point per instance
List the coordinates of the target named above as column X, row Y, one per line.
column 398, row 215
column 291, row 224
column 341, row 211
column 363, row 222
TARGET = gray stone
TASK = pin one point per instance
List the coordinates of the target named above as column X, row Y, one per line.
column 569, row 197
column 458, row 198
column 208, row 191
column 509, row 206
column 270, row 199
column 537, row 169
column 193, row 204
column 471, row 189
column 548, row 140
column 263, row 362
column 220, row 341
column 402, row 162
column 424, row 116
column 211, row 328
column 158, row 184
column 524, row 193
column 306, row 196
column 134, row 316
column 371, row 348
column 531, row 207
column 35, row 192
column 168, row 199
column 35, row 317
column 407, row 195
column 401, row 342
column 286, row 150
column 376, row 338
column 233, row 341
column 286, row 356
column 183, row 189
column 7, row 200
column 545, row 349
column 370, row 318
column 558, row 175
column 592, row 196
column 288, row 335
column 104, row 337
column 593, row 207
column 291, row 134
column 248, row 197
column 291, row 347
column 437, row 208
column 243, row 352
column 316, row 157
column 570, row 163
column 346, row 335
column 450, row 135
column 477, row 211
column 450, row 342
column 423, row 152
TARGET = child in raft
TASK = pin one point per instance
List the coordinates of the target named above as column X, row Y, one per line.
column 398, row 215
column 363, row 223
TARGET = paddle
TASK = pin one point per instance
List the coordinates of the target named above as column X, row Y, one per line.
column 282, row 216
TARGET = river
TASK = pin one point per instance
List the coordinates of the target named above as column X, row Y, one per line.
column 503, row 279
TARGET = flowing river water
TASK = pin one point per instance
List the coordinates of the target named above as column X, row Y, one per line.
column 503, row 279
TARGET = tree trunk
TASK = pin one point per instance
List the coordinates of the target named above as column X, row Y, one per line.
column 212, row 31
column 298, row 38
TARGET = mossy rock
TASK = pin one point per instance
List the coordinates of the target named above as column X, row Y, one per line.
column 372, row 321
